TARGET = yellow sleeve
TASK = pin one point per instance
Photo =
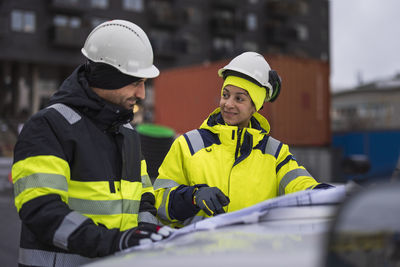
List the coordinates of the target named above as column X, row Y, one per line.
column 291, row 176
column 172, row 173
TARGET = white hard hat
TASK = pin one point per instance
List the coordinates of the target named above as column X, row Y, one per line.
column 254, row 65
column 123, row 45
column 251, row 64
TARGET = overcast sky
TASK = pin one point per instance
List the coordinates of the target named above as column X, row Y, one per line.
column 365, row 41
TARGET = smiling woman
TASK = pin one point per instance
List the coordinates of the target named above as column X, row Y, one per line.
column 231, row 162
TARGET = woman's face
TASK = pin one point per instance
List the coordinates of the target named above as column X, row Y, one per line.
column 236, row 106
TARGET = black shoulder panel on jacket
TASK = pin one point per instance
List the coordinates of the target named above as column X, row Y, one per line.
column 39, row 136
column 199, row 139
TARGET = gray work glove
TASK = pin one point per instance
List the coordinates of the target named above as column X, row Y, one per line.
column 210, row 200
column 144, row 233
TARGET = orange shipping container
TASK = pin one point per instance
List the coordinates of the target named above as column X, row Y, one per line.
column 185, row 96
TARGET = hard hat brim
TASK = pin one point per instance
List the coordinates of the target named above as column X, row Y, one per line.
column 148, row 73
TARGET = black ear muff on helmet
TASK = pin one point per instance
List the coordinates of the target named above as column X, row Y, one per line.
column 275, row 81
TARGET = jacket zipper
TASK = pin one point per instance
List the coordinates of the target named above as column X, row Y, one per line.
column 239, row 134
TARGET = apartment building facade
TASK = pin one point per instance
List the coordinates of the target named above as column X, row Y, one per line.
column 40, row 40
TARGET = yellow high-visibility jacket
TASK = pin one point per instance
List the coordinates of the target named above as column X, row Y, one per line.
column 248, row 165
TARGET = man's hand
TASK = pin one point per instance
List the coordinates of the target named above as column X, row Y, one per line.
column 210, row 200
column 145, row 233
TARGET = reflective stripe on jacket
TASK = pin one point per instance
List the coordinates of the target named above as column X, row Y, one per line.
column 248, row 165
column 77, row 187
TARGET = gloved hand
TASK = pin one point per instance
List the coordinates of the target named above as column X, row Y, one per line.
column 210, row 200
column 144, row 233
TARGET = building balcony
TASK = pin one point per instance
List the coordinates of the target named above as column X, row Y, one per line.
column 70, row 5
column 282, row 9
column 67, row 37
column 164, row 14
column 222, row 53
column 224, row 3
column 169, row 48
column 226, row 26
column 166, row 18
column 280, row 34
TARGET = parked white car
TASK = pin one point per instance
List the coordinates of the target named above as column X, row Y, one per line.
column 286, row 231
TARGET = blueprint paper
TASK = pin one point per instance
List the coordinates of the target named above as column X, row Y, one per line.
column 252, row 214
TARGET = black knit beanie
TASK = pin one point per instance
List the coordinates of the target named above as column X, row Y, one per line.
column 104, row 76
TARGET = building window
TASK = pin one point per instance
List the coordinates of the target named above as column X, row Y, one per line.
column 223, row 45
column 160, row 41
column 65, row 21
column 224, row 19
column 66, row 2
column 303, row 7
column 324, row 35
column 251, row 22
column 102, row 4
column 250, row 46
column 192, row 43
column 97, row 21
column 193, row 15
column 302, row 32
column 324, row 56
column 23, row 21
column 134, row 5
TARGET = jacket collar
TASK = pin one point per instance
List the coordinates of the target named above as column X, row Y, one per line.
column 75, row 92
column 215, row 122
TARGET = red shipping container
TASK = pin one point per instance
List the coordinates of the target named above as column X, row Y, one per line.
column 184, row 97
